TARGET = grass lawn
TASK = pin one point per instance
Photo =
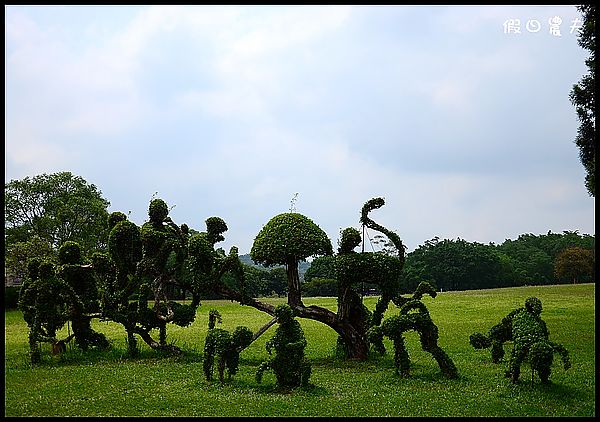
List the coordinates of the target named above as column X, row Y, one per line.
column 111, row 384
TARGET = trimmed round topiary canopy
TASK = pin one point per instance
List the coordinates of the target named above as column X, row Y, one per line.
column 289, row 237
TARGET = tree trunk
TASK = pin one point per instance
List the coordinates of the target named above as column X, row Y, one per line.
column 353, row 337
column 294, row 293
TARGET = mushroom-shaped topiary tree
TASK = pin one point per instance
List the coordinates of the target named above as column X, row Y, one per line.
column 286, row 239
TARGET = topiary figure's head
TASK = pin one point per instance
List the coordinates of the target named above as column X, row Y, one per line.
column 533, row 305
column 125, row 245
column 158, row 210
column 289, row 237
column 69, row 253
column 33, row 268
column 215, row 226
column 349, row 239
column 46, row 270
column 284, row 314
column 114, row 218
column 241, row 337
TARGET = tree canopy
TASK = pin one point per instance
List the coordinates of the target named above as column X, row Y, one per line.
column 583, row 98
column 56, row 208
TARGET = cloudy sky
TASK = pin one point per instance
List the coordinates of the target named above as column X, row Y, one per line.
column 461, row 123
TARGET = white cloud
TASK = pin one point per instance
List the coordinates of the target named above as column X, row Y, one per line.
column 231, row 110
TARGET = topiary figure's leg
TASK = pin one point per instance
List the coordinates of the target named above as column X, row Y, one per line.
column 222, row 362
column 445, row 363
column 518, row 355
column 401, row 357
column 132, row 348
column 265, row 366
column 306, row 372
column 209, row 358
column 428, row 335
column 497, row 351
column 541, row 355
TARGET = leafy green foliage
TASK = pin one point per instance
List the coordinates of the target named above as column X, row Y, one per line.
column 582, row 96
column 461, row 265
column 529, row 334
column 223, row 347
column 413, row 315
column 574, row 264
column 289, row 363
column 44, row 300
column 17, row 254
column 56, row 208
column 110, row 384
column 289, row 237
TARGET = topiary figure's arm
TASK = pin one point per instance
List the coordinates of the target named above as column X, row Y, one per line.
column 564, row 354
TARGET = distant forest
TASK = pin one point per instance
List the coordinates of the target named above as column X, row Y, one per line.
column 552, row 258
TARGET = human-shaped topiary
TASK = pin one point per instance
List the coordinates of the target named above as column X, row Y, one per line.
column 223, row 348
column 289, row 363
column 413, row 315
column 530, row 341
column 44, row 300
column 85, row 302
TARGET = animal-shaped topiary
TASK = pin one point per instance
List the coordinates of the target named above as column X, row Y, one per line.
column 530, row 340
column 413, row 315
column 223, row 347
column 289, row 364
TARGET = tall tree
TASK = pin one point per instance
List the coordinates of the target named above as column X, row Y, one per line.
column 575, row 264
column 582, row 97
column 57, row 208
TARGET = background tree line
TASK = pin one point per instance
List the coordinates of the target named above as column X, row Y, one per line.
column 552, row 258
column 45, row 211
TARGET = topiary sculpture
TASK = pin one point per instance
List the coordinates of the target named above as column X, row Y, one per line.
column 44, row 300
column 530, row 340
column 85, row 301
column 497, row 336
column 529, row 334
column 289, row 364
column 223, row 347
column 413, row 316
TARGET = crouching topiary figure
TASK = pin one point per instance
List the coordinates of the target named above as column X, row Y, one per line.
column 289, row 364
column 530, row 340
column 413, row 315
column 529, row 334
column 223, row 347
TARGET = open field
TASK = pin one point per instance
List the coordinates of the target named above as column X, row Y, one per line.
column 110, row 384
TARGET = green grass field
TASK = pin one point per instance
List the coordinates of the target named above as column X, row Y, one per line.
column 110, row 384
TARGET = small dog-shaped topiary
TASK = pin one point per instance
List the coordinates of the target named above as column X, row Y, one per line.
column 223, row 347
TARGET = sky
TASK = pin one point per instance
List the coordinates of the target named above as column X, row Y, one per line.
column 458, row 116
